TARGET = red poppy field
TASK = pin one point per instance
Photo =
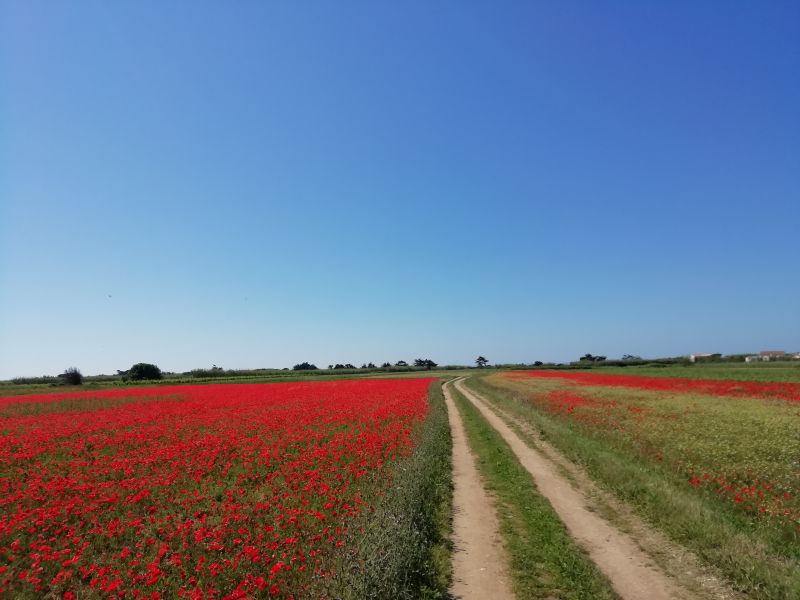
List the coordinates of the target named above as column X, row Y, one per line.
column 196, row 491
column 736, row 440
column 739, row 389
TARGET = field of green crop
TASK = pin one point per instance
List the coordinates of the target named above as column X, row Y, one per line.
column 763, row 371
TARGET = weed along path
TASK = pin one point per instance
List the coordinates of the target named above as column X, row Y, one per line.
column 631, row 571
column 479, row 570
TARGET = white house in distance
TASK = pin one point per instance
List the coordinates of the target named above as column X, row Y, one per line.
column 764, row 356
column 767, row 355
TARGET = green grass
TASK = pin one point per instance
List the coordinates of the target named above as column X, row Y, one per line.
column 781, row 371
column 8, row 388
column 642, row 457
column 544, row 561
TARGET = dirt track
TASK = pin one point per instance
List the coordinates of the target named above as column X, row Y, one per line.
column 478, row 559
column 631, row 571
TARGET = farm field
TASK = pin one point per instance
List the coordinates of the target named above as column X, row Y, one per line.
column 711, row 463
column 341, row 488
column 769, row 372
column 10, row 388
column 286, row 490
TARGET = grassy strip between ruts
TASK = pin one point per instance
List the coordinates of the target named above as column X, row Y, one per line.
column 716, row 533
column 544, row 561
column 402, row 549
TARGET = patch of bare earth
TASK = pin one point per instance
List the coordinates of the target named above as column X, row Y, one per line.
column 479, row 562
column 639, row 561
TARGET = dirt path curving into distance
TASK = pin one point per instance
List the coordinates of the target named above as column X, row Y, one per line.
column 631, row 571
column 479, row 562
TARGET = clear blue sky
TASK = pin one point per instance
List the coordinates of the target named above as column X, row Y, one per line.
column 257, row 184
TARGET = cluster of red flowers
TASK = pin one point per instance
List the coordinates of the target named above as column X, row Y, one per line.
column 566, row 401
column 749, row 389
column 758, row 496
column 193, row 491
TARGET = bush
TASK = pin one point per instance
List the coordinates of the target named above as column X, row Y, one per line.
column 214, row 371
column 72, row 376
column 305, row 366
column 142, row 372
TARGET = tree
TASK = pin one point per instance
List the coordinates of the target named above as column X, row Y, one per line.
column 141, row 372
column 590, row 358
column 386, row 365
column 481, row 362
column 72, row 376
column 401, row 363
column 538, row 363
column 304, row 366
column 425, row 362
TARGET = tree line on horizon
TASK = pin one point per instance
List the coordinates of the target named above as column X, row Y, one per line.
column 425, row 363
